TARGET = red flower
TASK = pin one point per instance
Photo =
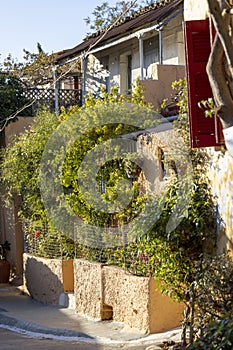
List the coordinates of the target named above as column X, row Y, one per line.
column 37, row 234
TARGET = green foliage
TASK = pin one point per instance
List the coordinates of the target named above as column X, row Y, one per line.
column 21, row 162
column 11, row 98
column 172, row 257
column 217, row 335
column 44, row 240
column 36, row 70
column 214, row 290
column 103, row 15
column 209, row 106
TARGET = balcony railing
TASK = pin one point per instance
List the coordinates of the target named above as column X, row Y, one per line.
column 46, row 97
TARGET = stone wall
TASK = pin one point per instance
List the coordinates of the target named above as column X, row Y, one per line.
column 104, row 292
column 44, row 278
column 128, row 295
column 88, row 288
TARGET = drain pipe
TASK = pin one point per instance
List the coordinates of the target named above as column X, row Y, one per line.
column 56, row 98
column 160, row 46
column 141, row 59
column 84, row 70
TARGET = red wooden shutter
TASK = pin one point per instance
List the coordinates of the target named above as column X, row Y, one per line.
column 204, row 131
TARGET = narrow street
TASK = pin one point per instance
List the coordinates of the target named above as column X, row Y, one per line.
column 14, row 341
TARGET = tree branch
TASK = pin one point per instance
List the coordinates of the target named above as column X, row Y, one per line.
column 221, row 92
column 221, row 22
column 220, row 77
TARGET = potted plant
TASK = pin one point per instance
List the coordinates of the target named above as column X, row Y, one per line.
column 4, row 264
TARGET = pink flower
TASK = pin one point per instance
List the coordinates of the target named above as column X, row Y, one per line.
column 144, row 257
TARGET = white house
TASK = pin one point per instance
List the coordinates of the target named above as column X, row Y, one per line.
column 137, row 47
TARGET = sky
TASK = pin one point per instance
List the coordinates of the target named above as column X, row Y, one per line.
column 55, row 24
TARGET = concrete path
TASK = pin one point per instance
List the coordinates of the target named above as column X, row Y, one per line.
column 20, row 313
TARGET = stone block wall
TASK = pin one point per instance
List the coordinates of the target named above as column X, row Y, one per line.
column 128, row 295
column 88, row 288
column 104, row 292
column 44, row 278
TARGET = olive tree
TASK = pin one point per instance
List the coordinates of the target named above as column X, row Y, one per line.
column 220, row 64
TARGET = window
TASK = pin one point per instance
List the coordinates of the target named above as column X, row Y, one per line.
column 129, row 71
column 151, row 52
column 104, row 62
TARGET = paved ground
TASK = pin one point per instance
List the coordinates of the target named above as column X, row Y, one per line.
column 14, row 341
column 23, row 315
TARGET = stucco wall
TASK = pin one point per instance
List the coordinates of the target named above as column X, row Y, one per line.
column 155, row 91
column 195, row 10
column 134, row 300
column 10, row 227
column 17, row 127
column 43, row 278
column 221, row 180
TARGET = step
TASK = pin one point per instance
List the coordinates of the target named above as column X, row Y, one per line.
column 67, row 300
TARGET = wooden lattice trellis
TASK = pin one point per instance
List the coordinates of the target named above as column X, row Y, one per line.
column 66, row 98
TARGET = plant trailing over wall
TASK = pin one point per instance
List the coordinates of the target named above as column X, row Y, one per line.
column 20, row 166
column 178, row 260
column 171, row 258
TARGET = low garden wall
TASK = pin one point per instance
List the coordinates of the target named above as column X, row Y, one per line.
column 102, row 292
column 107, row 292
column 45, row 279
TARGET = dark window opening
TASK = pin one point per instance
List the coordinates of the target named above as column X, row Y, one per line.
column 129, row 80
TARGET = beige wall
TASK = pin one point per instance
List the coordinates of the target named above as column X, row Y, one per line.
column 17, row 127
column 195, row 10
column 10, row 227
column 156, row 90
column 88, row 288
column 221, row 180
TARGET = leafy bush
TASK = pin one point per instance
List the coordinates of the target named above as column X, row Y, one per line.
column 217, row 335
column 21, row 161
column 170, row 257
column 214, row 290
column 20, row 166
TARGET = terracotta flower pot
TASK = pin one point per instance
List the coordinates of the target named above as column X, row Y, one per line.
column 4, row 271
